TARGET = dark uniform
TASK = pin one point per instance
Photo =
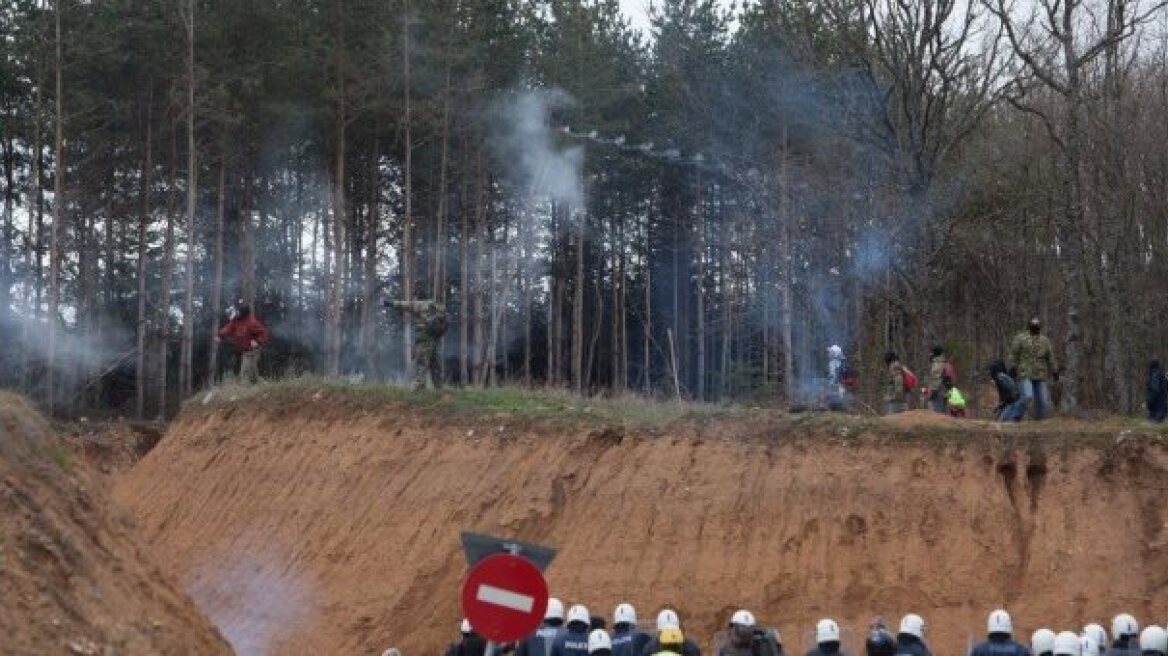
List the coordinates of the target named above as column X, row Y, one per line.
column 910, row 645
column 1125, row 646
column 752, row 642
column 880, row 642
column 574, row 642
column 542, row 641
column 825, row 649
column 628, row 641
column 1000, row 644
column 471, row 645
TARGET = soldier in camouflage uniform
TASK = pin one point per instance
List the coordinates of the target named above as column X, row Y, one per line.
column 429, row 328
column 895, row 401
column 1031, row 354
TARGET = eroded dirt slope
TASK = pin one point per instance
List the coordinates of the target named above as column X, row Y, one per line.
column 74, row 577
column 319, row 530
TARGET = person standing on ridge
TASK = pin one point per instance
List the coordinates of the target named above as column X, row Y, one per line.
column 1032, row 355
column 247, row 334
column 939, row 370
column 896, row 385
column 1000, row 637
column 430, row 326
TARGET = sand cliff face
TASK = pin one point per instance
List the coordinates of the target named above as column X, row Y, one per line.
column 74, row 576
column 319, row 531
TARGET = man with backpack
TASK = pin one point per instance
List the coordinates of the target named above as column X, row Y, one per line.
column 897, row 385
column 1032, row 355
column 1157, row 392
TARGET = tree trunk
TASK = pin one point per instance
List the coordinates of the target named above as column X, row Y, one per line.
column 59, row 213
column 372, row 229
column 578, row 309
column 333, row 331
column 186, row 369
column 464, row 288
column 163, row 310
column 700, row 250
column 217, row 275
column 407, row 249
column 786, row 304
column 143, row 225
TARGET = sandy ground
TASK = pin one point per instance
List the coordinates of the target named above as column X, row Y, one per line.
column 313, row 529
column 74, row 577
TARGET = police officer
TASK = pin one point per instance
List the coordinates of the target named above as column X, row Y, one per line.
column 827, row 638
column 627, row 640
column 1154, row 641
column 1067, row 644
column 599, row 643
column 1097, row 633
column 541, row 642
column 1000, row 641
column 910, row 639
column 1042, row 642
column 1125, row 633
column 574, row 642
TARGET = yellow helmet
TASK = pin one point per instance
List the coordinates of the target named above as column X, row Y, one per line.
column 671, row 636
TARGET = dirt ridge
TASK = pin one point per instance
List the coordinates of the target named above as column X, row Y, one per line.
column 355, row 514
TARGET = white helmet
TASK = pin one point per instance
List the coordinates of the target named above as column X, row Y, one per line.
column 555, row 610
column 1124, row 625
column 579, row 613
column 668, row 619
column 1088, row 646
column 625, row 614
column 913, row 625
column 466, row 628
column 835, row 351
column 999, row 622
column 1067, row 644
column 1155, row 639
column 1042, row 642
column 742, row 618
column 1098, row 633
column 598, row 640
column 827, row 630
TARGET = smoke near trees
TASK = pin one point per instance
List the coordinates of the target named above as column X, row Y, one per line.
column 700, row 211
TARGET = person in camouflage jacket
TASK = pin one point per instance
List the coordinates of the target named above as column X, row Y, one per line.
column 894, row 395
column 1032, row 357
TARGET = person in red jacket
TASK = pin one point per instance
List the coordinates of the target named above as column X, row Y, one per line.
column 247, row 334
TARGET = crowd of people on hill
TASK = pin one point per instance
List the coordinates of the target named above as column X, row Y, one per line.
column 1027, row 381
column 578, row 633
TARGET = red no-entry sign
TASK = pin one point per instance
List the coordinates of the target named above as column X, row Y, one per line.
column 504, row 597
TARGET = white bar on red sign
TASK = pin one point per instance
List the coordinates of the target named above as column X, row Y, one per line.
column 505, row 598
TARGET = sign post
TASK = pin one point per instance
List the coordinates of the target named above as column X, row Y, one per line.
column 505, row 595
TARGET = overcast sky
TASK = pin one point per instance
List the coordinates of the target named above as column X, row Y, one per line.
column 638, row 10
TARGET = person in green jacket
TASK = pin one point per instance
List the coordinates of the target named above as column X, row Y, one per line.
column 1033, row 358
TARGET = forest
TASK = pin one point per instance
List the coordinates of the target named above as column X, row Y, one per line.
column 696, row 211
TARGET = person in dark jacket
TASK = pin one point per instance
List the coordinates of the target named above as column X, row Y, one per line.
column 1005, row 385
column 1000, row 640
column 880, row 641
column 827, row 639
column 471, row 643
column 540, row 643
column 1157, row 392
column 910, row 639
column 574, row 641
column 627, row 640
column 246, row 334
column 1125, row 633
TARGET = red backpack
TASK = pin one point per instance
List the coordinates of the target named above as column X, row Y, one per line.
column 910, row 379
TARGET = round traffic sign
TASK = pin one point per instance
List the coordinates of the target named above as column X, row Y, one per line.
column 504, row 597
